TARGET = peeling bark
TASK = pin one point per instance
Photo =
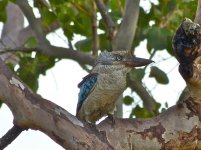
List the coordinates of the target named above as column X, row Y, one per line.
column 179, row 127
column 169, row 130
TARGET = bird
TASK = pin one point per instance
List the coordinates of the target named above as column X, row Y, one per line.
column 101, row 88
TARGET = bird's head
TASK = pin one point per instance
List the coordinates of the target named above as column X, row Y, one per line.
column 123, row 57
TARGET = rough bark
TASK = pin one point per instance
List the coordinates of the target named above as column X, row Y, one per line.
column 124, row 37
column 198, row 13
column 178, row 127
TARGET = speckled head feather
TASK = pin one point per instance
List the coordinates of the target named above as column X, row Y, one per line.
column 123, row 57
column 108, row 58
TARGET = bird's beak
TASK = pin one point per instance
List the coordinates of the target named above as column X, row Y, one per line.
column 138, row 62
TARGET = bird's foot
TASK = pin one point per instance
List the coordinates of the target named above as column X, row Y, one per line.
column 111, row 118
column 91, row 125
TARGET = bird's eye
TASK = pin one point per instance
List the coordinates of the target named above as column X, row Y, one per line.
column 118, row 58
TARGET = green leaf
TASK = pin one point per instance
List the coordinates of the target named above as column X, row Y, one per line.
column 140, row 112
column 1, row 103
column 86, row 44
column 159, row 75
column 166, row 104
column 31, row 42
column 158, row 105
column 30, row 68
column 158, row 38
column 128, row 100
column 3, row 4
column 48, row 17
column 137, row 74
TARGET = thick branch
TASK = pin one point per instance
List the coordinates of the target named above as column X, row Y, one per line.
column 12, row 24
column 124, row 37
column 31, row 111
column 178, row 127
column 14, row 34
column 198, row 13
column 11, row 30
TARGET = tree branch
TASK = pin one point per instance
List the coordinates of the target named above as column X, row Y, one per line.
column 178, row 127
column 11, row 30
column 198, row 13
column 124, row 37
column 54, row 51
column 35, row 25
column 148, row 101
column 61, row 52
column 28, row 32
column 10, row 136
column 12, row 24
column 14, row 33
column 28, row 110
column 106, row 18
column 95, row 42
column 44, row 46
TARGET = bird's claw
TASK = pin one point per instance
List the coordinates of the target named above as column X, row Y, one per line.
column 111, row 118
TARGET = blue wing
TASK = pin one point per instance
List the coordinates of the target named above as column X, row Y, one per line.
column 86, row 85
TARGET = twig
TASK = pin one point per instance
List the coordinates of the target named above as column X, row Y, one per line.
column 35, row 25
column 148, row 100
column 44, row 46
column 70, row 44
column 106, row 18
column 54, row 51
column 18, row 49
column 10, row 136
column 95, row 40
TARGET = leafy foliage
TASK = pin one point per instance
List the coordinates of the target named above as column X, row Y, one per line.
column 160, row 23
column 31, row 67
column 140, row 112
